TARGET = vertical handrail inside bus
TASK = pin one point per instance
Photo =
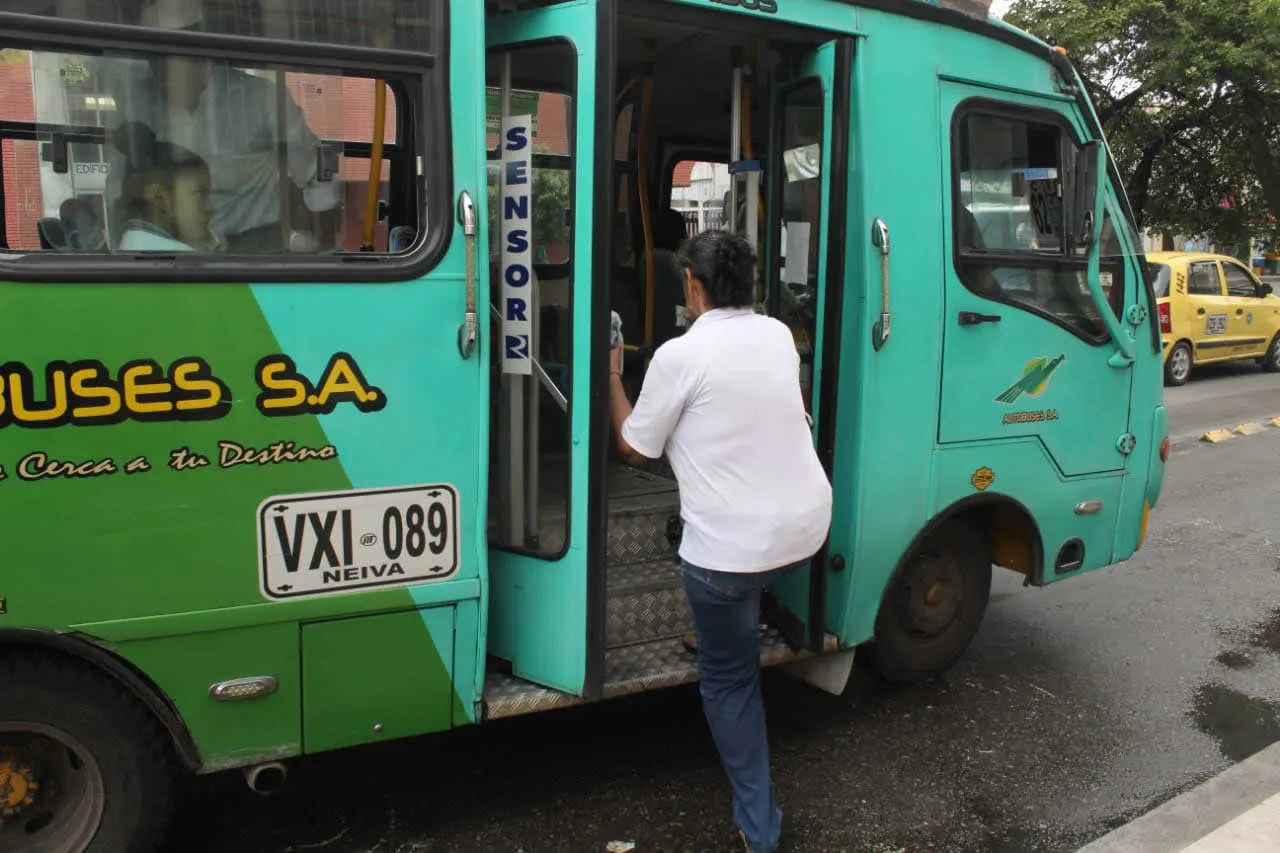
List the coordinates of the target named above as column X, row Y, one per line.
column 748, row 150
column 375, row 164
column 642, row 181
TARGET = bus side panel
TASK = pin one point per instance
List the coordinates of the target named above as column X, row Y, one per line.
column 1024, row 472
column 886, row 432
column 164, row 520
column 229, row 734
column 160, row 554
column 899, row 156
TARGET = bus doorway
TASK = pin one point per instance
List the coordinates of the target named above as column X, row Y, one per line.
column 606, row 615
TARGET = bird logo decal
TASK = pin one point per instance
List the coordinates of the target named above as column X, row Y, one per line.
column 1035, row 379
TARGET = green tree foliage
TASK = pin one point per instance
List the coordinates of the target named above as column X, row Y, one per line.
column 551, row 209
column 1189, row 95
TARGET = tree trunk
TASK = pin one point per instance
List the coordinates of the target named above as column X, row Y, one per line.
column 1139, row 183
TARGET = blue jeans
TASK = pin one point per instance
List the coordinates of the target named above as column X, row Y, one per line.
column 726, row 613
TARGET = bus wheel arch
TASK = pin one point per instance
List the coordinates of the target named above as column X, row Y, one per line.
column 935, row 599
column 80, row 652
column 93, row 775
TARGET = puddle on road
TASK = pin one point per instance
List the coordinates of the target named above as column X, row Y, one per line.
column 1234, row 659
column 1241, row 724
column 1264, row 636
column 1267, row 634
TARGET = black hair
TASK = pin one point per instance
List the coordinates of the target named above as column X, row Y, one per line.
column 149, row 161
column 725, row 263
column 671, row 230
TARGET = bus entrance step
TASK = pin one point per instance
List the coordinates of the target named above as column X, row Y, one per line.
column 628, row 670
column 646, row 602
column 644, row 517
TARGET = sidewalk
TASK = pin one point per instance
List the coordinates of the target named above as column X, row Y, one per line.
column 1237, row 811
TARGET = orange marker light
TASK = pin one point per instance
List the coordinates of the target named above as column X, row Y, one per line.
column 1166, row 447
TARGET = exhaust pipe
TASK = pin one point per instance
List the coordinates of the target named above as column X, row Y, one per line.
column 266, row 779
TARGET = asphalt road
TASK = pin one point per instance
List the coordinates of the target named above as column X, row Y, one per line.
column 1077, row 708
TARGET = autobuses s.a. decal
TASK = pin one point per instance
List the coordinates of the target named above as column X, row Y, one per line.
column 768, row 7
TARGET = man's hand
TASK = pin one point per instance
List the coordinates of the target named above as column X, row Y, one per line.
column 620, row 408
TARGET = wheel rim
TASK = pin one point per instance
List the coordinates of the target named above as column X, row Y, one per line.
column 1275, row 354
column 932, row 595
column 51, row 790
column 1180, row 363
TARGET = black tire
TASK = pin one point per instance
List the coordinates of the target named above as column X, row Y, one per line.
column 1271, row 361
column 116, row 757
column 923, row 629
column 1177, row 367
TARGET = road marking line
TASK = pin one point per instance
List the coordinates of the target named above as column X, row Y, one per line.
column 1275, row 422
column 1217, row 436
column 1252, row 428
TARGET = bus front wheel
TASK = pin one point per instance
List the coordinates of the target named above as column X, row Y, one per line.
column 83, row 767
column 933, row 607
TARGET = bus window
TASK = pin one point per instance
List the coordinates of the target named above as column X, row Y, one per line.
column 136, row 153
column 411, row 25
column 530, row 423
column 552, row 167
column 1010, row 225
column 700, row 190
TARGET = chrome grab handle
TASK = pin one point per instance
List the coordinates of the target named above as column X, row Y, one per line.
column 880, row 239
column 470, row 328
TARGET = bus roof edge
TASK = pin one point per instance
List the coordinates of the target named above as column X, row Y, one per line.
column 980, row 9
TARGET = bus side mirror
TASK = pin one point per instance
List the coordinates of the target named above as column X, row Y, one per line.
column 1085, row 190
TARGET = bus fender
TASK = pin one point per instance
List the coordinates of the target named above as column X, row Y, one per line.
column 1013, row 538
column 95, row 655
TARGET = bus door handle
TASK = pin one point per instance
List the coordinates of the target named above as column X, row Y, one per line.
column 470, row 222
column 880, row 239
column 972, row 318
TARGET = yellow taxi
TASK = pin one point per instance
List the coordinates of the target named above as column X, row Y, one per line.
column 1212, row 309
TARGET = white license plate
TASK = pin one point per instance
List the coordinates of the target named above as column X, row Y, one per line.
column 1215, row 324
column 318, row 544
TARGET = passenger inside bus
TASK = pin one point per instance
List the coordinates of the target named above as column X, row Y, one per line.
column 670, row 231
column 231, row 118
column 164, row 195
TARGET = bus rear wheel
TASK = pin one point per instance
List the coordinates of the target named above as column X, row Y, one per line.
column 933, row 607
column 83, row 767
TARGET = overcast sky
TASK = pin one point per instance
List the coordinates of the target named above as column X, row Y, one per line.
column 999, row 7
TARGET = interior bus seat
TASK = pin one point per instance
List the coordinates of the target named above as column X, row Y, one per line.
column 53, row 237
column 82, row 228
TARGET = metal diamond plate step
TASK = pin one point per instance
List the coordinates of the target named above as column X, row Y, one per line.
column 644, row 516
column 646, row 602
column 631, row 669
column 644, row 527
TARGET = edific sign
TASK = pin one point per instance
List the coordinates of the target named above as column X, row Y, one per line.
column 515, row 232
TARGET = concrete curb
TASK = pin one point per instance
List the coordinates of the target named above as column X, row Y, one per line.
column 1225, row 434
column 1190, row 817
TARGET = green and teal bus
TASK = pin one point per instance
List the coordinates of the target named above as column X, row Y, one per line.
column 304, row 440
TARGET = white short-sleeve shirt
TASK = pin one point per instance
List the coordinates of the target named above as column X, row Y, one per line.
column 723, row 401
column 236, row 128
